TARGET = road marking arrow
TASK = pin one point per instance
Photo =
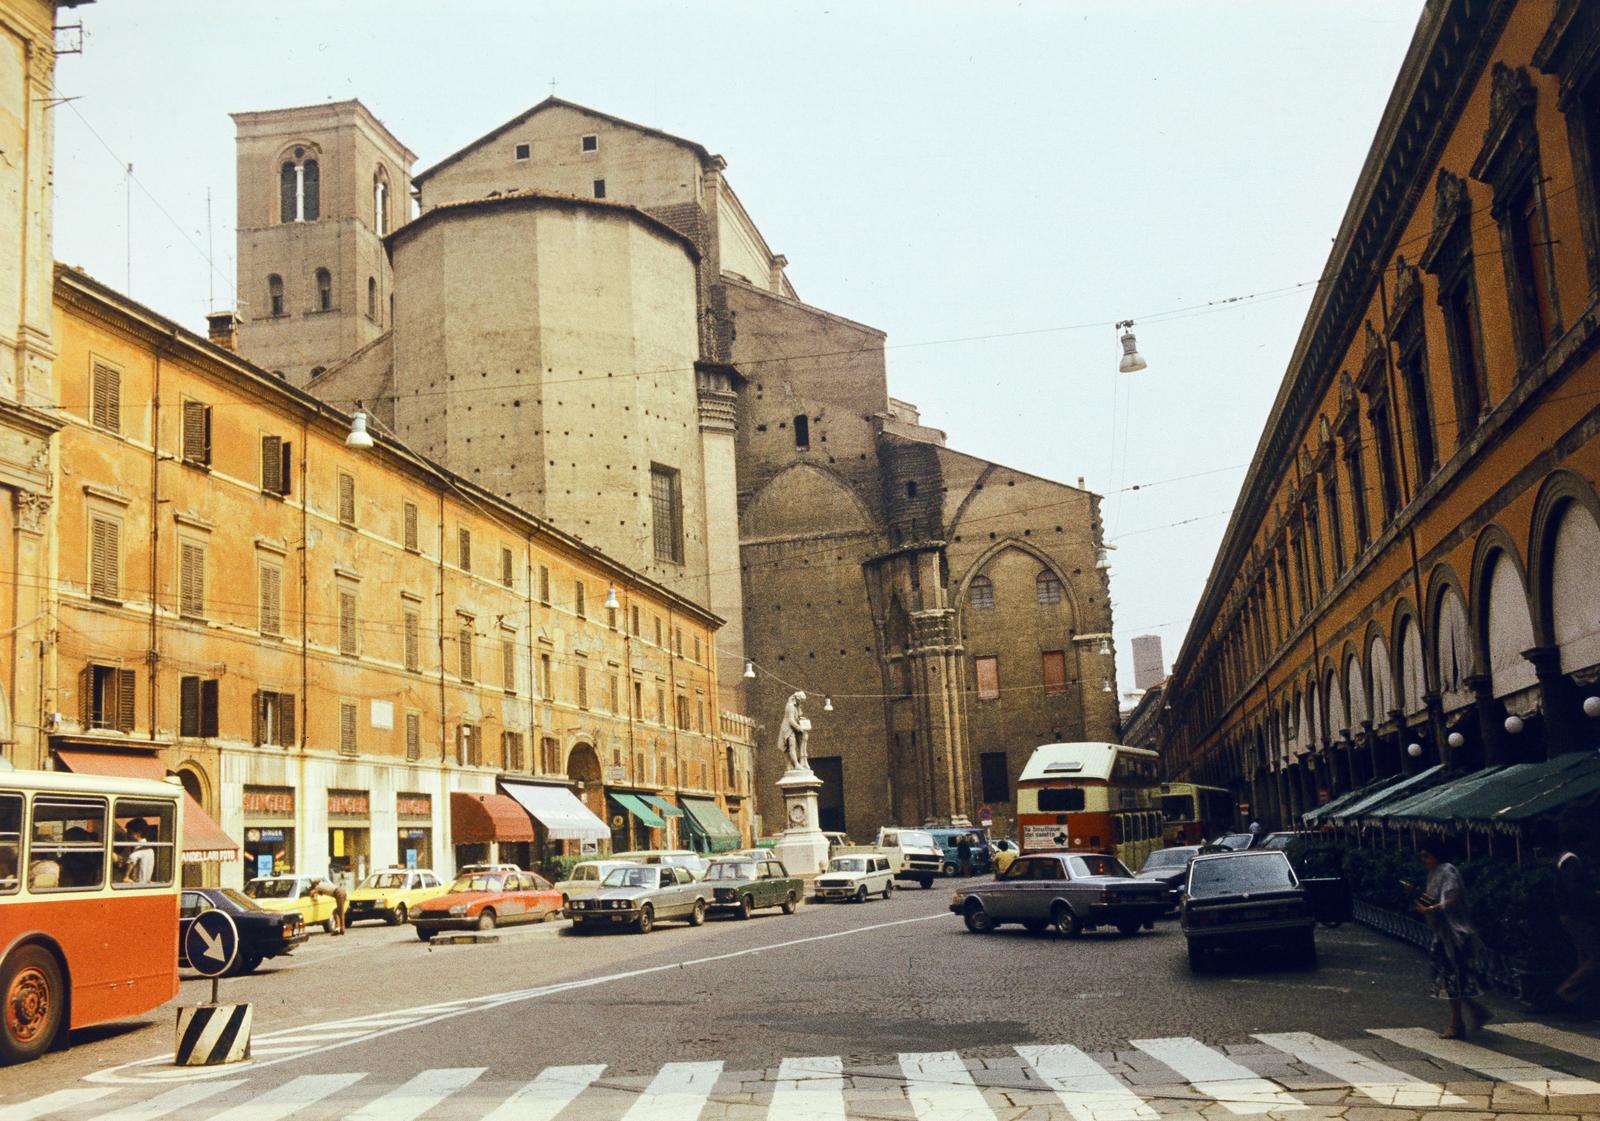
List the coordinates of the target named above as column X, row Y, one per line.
column 213, row 944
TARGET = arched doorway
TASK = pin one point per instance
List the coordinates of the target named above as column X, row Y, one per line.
column 583, row 771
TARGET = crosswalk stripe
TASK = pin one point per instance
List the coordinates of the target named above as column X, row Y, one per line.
column 281, row 1101
column 1584, row 1046
column 1383, row 1084
column 49, row 1104
column 1501, row 1068
column 678, row 1092
column 1086, row 1088
column 175, row 1099
column 1217, row 1076
column 809, row 1090
column 416, row 1097
column 547, row 1095
column 941, row 1088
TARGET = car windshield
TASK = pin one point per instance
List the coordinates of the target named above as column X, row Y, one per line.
column 912, row 839
column 270, row 889
column 239, row 899
column 732, row 870
column 632, row 877
column 1235, row 841
column 383, row 880
column 478, row 881
column 847, row 864
column 1278, row 841
column 1096, row 866
column 1240, row 873
column 1167, row 858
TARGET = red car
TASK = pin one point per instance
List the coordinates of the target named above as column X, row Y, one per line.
column 484, row 900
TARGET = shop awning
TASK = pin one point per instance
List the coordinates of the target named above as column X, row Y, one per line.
column 203, row 838
column 479, row 819
column 663, row 807
column 1327, row 809
column 635, row 805
column 1445, row 801
column 1525, row 791
column 1369, row 805
column 706, row 818
column 559, row 811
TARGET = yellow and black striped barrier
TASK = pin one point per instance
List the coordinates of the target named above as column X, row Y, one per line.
column 212, row 1034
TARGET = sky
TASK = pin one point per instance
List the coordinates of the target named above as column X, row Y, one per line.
column 993, row 184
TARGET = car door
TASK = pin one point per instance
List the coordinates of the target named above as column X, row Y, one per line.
column 1007, row 898
column 189, row 906
column 1045, row 885
column 687, row 891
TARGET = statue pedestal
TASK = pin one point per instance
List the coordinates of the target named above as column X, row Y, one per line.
column 802, row 848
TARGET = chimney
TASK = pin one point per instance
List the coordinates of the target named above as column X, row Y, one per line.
column 222, row 328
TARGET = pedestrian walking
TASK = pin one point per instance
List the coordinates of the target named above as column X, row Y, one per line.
column 1577, row 904
column 964, row 853
column 339, row 897
column 1255, row 833
column 1457, row 976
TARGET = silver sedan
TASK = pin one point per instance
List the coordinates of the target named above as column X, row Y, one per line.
column 638, row 896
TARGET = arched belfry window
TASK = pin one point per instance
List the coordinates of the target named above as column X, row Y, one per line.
column 372, row 297
column 380, row 201
column 980, row 593
column 1049, row 586
column 275, row 295
column 324, row 290
column 299, row 187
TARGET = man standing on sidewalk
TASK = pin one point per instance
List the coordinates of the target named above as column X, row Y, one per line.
column 339, row 897
column 964, row 853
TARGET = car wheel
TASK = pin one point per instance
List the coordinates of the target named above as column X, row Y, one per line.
column 951, row 869
column 1197, row 957
column 647, row 919
column 1129, row 928
column 926, row 882
column 888, row 888
column 486, row 920
column 861, row 893
column 977, row 919
column 399, row 916
column 746, row 906
column 244, row 963
column 424, row 935
column 697, row 915
column 34, row 1000
column 1035, row 926
column 1065, row 921
column 566, row 905
column 791, row 904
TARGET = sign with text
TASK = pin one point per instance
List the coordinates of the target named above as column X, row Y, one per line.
column 269, row 801
column 1044, row 838
column 348, row 803
column 413, row 805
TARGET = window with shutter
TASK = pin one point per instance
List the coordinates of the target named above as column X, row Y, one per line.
column 274, row 719
column 464, row 642
column 105, row 553
column 188, row 706
column 1055, row 671
column 508, row 665
column 988, row 674
column 413, row 736
column 413, row 642
column 277, row 465
column 347, row 727
column 196, row 433
column 210, row 697
column 106, row 391
column 347, row 499
column 583, row 687
column 347, row 622
column 505, row 566
column 464, row 549
column 125, row 700
column 409, row 519
column 191, row 580
column 578, row 601
column 544, row 585
column 271, row 594
column 615, row 688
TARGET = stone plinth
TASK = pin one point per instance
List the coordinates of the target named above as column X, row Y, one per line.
column 802, row 847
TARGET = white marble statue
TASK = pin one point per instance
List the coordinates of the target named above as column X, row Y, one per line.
column 793, row 731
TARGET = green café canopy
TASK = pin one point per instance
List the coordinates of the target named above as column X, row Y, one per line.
column 663, row 807
column 1369, row 804
column 706, row 818
column 1445, row 802
column 635, row 805
column 1322, row 812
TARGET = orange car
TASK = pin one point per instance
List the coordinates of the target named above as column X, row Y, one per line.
column 484, row 900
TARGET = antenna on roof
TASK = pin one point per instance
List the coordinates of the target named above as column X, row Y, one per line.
column 552, row 87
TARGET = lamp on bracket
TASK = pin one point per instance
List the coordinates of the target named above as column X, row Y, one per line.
column 612, row 602
column 1132, row 362
column 358, row 437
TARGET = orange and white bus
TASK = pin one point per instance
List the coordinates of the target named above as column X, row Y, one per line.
column 1194, row 814
column 88, row 903
column 1090, row 797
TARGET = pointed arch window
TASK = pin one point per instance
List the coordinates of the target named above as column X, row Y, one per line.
column 275, row 295
column 299, row 188
column 1048, row 587
column 980, row 593
column 380, row 201
column 372, row 297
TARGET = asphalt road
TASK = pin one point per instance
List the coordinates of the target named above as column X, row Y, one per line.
column 862, row 985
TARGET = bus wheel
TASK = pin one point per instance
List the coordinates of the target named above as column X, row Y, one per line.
column 31, row 986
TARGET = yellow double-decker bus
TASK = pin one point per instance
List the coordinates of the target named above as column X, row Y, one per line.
column 1194, row 814
column 1090, row 797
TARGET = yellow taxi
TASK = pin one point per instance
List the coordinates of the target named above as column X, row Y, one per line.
column 293, row 893
column 392, row 895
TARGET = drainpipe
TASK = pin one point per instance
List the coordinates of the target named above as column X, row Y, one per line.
column 305, row 587
column 444, row 728
column 151, row 656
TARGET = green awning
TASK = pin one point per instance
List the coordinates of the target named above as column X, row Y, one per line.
column 1433, row 776
column 638, row 809
column 1544, row 788
column 1444, row 802
column 706, row 818
column 663, row 807
column 1327, row 809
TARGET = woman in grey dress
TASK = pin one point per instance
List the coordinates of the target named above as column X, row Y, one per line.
column 1456, row 974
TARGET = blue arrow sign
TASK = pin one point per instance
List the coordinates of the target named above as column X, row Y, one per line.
column 211, row 943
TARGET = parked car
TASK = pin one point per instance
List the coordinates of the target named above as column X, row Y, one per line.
column 1076, row 892
column 837, row 841
column 468, row 868
column 262, row 933
column 1283, row 840
column 1170, row 866
column 392, row 895
column 678, row 858
column 743, row 885
column 1253, row 900
column 641, row 895
column 1235, row 842
column 485, row 900
column 585, row 879
column 948, row 839
column 856, row 876
column 912, row 854
column 291, row 893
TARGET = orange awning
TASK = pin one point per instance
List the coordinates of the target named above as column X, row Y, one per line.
column 477, row 819
column 203, row 839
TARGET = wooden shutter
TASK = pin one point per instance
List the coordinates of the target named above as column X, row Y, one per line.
column 258, row 720
column 271, row 599
column 508, row 665
column 461, row 745
column 286, row 719
column 464, row 547
column 413, row 644
column 583, row 687
column 347, row 622
column 1055, row 671
column 286, row 468
column 988, row 672
column 464, row 641
column 347, row 728
column 272, row 464
column 192, row 581
column 347, row 499
column 544, row 584
column 107, row 395
column 125, row 698
column 577, row 600
column 410, row 520
column 209, row 701
column 196, row 433
column 505, row 566
column 85, row 696
column 105, row 549
column 413, row 735
column 188, row 706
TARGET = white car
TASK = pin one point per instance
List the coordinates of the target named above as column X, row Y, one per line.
column 912, row 854
column 585, row 878
column 855, row 876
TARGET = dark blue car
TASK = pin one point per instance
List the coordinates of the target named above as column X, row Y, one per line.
column 948, row 838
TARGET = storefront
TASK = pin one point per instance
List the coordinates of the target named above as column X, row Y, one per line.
column 710, row 830
column 268, row 830
column 673, row 836
column 488, row 828
column 414, row 812
column 563, row 824
column 349, row 836
column 634, row 823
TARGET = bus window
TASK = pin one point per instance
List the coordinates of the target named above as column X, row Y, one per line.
column 1060, row 799
column 68, row 846
column 1116, row 829
column 142, row 850
column 10, row 843
column 1178, row 807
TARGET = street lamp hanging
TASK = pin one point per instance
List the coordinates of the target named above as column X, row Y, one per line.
column 749, row 669
column 1105, row 686
column 827, row 704
column 1132, row 362
column 612, row 602
column 358, row 437
column 1105, row 648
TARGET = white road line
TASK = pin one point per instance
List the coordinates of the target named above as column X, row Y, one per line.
column 257, row 1051
column 1086, row 1088
column 1501, row 1068
column 416, row 1097
column 281, row 1101
column 547, row 1095
column 1383, row 1084
column 48, row 1104
column 1584, row 1046
column 809, row 1090
column 941, row 1088
column 678, row 1092
column 180, row 1097
column 1217, row 1076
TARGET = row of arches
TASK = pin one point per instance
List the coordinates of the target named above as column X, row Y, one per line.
column 278, row 299
column 300, row 189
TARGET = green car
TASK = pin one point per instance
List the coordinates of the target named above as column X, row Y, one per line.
column 744, row 884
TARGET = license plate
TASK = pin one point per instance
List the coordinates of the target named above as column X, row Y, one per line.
column 1253, row 913
column 616, row 918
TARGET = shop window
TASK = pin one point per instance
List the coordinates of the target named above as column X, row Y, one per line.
column 196, row 433
column 987, row 670
column 274, row 719
column 142, row 849
column 106, row 697
column 197, row 707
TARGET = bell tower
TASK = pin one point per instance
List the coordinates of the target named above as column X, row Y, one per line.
column 319, row 187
